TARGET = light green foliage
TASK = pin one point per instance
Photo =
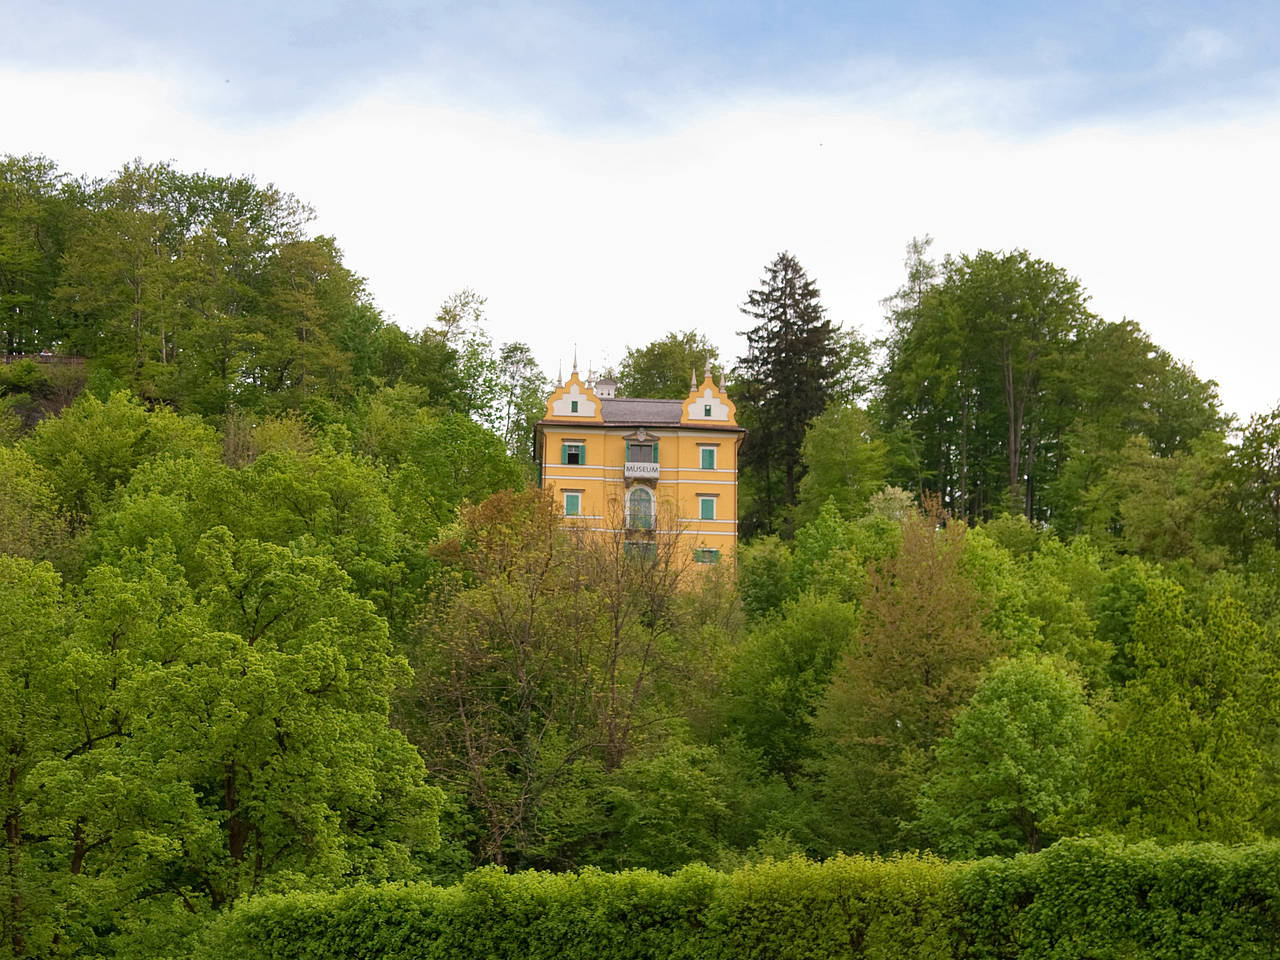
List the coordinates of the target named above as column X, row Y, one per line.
column 844, row 461
column 521, row 402
column 828, row 557
column 1106, row 898
column 1057, row 585
column 31, row 525
column 33, row 903
column 1014, row 763
column 893, row 504
column 663, row 368
column 1079, row 899
column 444, row 458
column 95, row 445
column 179, row 743
column 994, row 575
column 1161, row 508
column 1181, row 756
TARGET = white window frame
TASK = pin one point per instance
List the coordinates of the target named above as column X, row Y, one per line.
column 577, row 495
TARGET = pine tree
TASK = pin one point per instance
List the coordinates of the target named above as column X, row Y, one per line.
column 785, row 381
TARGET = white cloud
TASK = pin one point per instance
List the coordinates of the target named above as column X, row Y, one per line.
column 1200, row 48
column 613, row 240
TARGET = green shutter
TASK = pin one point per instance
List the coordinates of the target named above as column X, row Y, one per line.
column 708, row 458
column 564, row 453
column 628, row 454
column 655, row 451
column 708, row 511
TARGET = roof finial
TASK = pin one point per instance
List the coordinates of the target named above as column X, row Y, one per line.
column 575, row 358
column 693, row 378
column 560, row 372
column 707, row 374
column 722, row 379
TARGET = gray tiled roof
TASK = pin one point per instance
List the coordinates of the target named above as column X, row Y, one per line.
column 656, row 412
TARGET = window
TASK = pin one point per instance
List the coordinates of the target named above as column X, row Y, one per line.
column 645, row 550
column 572, row 503
column 706, row 555
column 640, row 509
column 708, row 458
column 642, row 452
column 706, row 506
column 706, row 410
column 574, row 453
column 573, row 406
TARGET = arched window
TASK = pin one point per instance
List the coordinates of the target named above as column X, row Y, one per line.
column 640, row 509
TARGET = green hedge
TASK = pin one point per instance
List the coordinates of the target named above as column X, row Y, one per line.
column 1079, row 899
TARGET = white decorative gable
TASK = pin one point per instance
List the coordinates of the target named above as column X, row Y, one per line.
column 707, row 406
column 573, row 403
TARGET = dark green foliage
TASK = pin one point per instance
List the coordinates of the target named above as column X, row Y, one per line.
column 1001, row 391
column 790, row 372
column 663, row 368
column 1080, row 898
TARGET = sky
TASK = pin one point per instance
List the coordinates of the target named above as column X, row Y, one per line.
column 606, row 173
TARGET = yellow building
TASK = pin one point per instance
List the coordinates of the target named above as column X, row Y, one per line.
column 645, row 469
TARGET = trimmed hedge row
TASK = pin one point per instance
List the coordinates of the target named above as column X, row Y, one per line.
column 1081, row 898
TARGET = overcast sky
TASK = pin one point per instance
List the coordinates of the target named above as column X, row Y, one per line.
column 606, row 173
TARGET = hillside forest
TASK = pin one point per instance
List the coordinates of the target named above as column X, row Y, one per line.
column 282, row 608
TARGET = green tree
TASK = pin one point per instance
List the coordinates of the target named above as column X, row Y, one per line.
column 32, row 896
column 94, row 447
column 549, row 663
column 1181, row 756
column 779, row 675
column 923, row 641
column 844, row 460
column 31, row 525
column 1014, row 763
column 522, row 400
column 37, row 206
column 183, row 742
column 661, row 368
column 783, row 383
column 977, row 376
column 1255, row 481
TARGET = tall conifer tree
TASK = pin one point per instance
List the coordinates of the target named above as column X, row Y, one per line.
column 785, row 380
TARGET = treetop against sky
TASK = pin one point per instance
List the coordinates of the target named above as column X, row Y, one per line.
column 604, row 173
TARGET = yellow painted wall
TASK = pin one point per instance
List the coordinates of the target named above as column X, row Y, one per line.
column 707, row 419
column 681, row 479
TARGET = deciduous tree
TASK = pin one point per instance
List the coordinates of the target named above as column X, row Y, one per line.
column 1014, row 762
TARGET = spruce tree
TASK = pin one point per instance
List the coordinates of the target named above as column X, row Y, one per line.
column 784, row 382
